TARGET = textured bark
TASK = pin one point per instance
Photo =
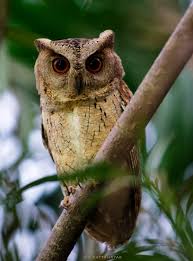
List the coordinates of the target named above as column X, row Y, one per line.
column 67, row 229
column 3, row 14
column 143, row 105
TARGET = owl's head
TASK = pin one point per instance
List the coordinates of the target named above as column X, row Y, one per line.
column 73, row 69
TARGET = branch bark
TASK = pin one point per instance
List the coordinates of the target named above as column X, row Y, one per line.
column 127, row 130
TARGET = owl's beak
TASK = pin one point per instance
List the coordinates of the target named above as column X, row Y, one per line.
column 79, row 83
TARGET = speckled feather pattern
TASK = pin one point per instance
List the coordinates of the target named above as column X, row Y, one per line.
column 76, row 132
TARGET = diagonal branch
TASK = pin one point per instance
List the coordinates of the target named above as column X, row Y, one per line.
column 127, row 130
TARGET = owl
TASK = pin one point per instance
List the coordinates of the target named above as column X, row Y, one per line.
column 82, row 95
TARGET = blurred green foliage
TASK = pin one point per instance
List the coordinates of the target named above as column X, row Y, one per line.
column 141, row 27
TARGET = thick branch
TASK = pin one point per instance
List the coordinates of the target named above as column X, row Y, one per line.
column 67, row 229
column 143, row 105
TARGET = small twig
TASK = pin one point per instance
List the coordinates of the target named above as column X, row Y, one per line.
column 128, row 129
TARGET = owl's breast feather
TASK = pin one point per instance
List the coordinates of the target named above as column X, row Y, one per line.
column 76, row 134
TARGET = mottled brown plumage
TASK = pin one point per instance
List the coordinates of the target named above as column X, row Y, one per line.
column 82, row 95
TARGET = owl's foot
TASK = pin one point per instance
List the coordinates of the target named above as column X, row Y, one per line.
column 67, row 201
column 72, row 190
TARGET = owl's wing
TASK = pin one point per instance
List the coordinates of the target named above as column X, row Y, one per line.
column 45, row 140
column 125, row 92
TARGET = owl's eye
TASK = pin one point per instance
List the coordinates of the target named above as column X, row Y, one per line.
column 61, row 65
column 94, row 64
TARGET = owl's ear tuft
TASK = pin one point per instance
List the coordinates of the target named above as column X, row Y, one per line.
column 108, row 38
column 42, row 44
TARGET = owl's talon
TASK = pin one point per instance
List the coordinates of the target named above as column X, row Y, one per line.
column 65, row 203
column 72, row 189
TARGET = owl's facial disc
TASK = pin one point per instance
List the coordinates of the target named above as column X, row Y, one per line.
column 77, row 68
column 61, row 66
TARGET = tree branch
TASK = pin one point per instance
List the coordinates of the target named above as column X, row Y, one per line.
column 127, row 130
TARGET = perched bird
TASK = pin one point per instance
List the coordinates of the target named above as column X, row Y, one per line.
column 82, row 95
